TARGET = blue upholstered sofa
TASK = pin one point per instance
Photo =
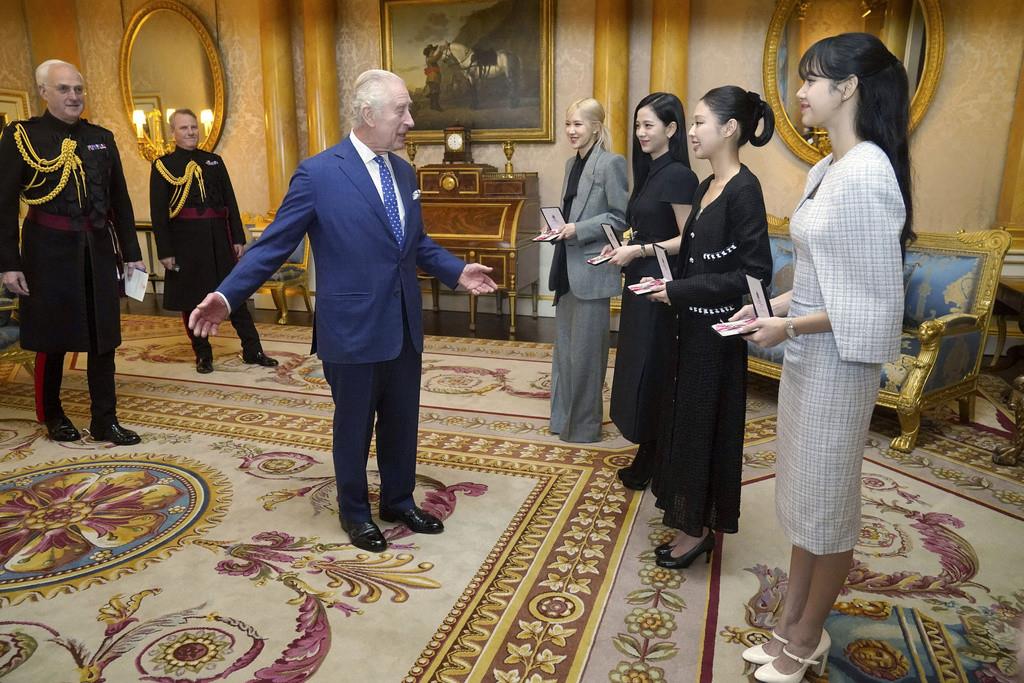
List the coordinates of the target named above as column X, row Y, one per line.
column 950, row 282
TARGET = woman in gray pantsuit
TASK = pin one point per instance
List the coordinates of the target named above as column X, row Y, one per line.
column 594, row 192
column 843, row 320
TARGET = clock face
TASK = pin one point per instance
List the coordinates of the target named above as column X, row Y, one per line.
column 454, row 141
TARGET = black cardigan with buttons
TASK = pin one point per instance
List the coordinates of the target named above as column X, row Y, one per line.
column 723, row 242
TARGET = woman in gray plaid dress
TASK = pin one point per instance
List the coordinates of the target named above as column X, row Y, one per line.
column 843, row 320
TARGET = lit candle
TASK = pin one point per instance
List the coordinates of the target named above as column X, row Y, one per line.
column 169, row 113
column 206, row 118
column 139, row 119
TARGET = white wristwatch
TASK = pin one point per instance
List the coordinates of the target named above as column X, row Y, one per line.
column 790, row 330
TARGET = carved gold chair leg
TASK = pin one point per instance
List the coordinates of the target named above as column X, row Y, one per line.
column 472, row 313
column 305, row 297
column 512, row 314
column 1000, row 340
column 967, row 405
column 910, row 427
column 535, row 292
column 1012, row 454
column 282, row 305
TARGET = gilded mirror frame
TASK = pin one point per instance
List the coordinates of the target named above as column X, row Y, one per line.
column 934, row 51
column 209, row 47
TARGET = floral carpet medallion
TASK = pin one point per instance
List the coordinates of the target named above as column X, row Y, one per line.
column 235, row 475
column 78, row 522
column 212, row 551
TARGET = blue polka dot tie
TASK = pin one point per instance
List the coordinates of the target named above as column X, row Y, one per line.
column 390, row 200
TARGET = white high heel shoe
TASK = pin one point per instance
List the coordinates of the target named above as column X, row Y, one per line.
column 819, row 659
column 757, row 655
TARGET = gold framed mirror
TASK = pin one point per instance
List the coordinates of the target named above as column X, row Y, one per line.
column 169, row 61
column 911, row 29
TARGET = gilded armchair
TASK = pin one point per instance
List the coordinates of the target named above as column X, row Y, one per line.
column 950, row 282
column 10, row 333
column 291, row 277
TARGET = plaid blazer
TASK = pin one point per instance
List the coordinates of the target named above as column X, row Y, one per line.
column 854, row 225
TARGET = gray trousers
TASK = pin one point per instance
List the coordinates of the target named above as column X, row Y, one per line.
column 578, row 368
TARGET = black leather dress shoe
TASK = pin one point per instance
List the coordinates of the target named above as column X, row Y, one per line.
column 61, row 429
column 259, row 358
column 204, row 366
column 365, row 535
column 416, row 519
column 116, row 434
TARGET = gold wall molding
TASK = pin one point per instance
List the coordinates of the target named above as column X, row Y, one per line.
column 319, row 28
column 811, row 153
column 278, row 96
column 217, row 72
column 1011, row 196
column 611, row 75
column 670, row 47
column 53, row 32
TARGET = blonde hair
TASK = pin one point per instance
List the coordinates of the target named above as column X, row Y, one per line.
column 592, row 111
column 182, row 112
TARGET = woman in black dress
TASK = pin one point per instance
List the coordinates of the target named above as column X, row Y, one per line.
column 663, row 187
column 700, row 454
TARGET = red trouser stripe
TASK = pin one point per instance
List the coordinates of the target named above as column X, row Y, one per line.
column 40, row 374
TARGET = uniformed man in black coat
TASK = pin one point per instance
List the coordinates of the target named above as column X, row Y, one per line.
column 199, row 234
column 78, row 239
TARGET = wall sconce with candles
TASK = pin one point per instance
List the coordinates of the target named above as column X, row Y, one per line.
column 149, row 131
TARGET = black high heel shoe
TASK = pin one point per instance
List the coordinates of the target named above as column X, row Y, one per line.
column 703, row 548
column 638, row 474
column 663, row 550
column 632, row 481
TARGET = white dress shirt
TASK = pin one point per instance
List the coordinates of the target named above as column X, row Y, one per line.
column 368, row 156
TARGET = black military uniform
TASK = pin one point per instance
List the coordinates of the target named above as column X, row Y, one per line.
column 196, row 220
column 79, row 226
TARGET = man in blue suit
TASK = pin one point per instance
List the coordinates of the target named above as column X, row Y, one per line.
column 359, row 205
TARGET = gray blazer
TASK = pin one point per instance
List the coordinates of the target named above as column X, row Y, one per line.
column 601, row 198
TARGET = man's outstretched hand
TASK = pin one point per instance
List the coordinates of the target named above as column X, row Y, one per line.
column 474, row 279
column 208, row 315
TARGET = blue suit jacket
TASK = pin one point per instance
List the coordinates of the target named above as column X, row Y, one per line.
column 363, row 276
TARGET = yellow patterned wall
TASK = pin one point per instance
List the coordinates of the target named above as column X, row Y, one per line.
column 100, row 27
column 15, row 66
column 959, row 149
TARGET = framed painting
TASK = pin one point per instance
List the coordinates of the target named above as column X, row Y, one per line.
column 13, row 106
column 483, row 64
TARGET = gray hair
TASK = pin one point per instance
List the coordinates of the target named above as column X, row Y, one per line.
column 43, row 70
column 371, row 91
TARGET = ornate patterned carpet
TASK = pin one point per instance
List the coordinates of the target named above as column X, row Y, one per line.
column 212, row 551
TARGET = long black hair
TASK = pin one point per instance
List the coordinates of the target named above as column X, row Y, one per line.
column 749, row 110
column 883, row 113
column 668, row 109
